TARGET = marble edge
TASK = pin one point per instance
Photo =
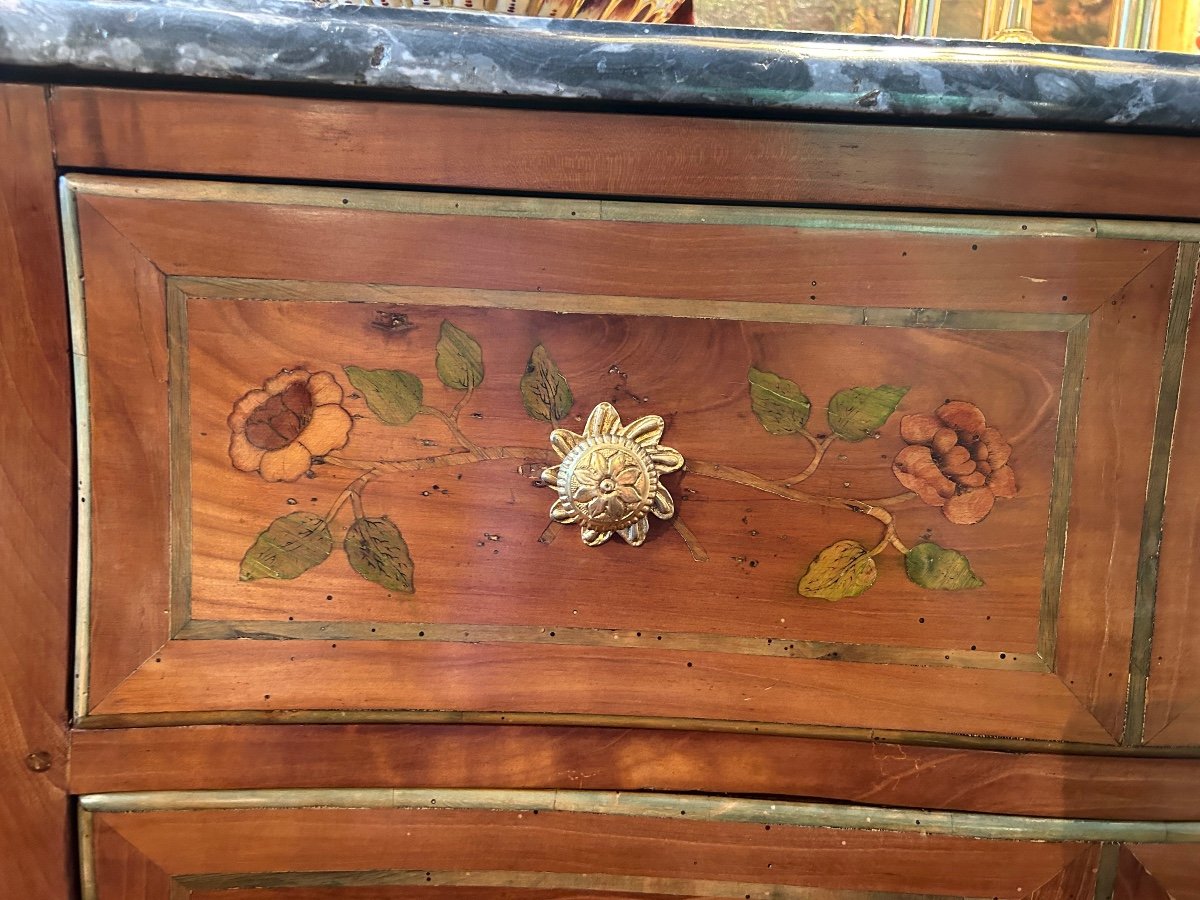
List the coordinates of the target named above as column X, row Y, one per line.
column 442, row 54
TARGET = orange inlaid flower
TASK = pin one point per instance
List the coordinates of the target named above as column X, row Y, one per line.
column 278, row 429
column 955, row 460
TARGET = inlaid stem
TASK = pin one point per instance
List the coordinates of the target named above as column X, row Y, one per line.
column 874, row 507
column 451, row 425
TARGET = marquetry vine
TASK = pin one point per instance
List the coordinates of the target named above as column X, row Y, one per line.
column 953, row 459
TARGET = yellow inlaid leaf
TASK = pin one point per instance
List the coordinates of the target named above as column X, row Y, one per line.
column 840, row 570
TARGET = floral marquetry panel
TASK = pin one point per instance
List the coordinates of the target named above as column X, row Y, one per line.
column 407, row 501
column 359, row 454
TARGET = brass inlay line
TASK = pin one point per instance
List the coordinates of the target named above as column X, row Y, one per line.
column 624, row 638
column 1156, row 490
column 599, row 882
column 73, row 255
column 661, row 806
column 1060, row 491
column 180, row 456
column 583, row 209
column 663, row 211
column 596, row 304
column 87, row 853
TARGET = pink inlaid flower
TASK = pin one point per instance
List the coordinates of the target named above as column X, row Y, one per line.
column 955, row 460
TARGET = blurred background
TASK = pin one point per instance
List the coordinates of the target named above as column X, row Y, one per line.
column 1171, row 25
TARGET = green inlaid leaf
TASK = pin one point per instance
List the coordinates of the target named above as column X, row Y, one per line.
column 840, row 570
column 290, row 546
column 857, row 413
column 394, row 396
column 544, row 390
column 459, row 358
column 939, row 569
column 780, row 405
column 378, row 553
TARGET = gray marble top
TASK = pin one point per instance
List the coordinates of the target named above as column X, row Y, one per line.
column 435, row 53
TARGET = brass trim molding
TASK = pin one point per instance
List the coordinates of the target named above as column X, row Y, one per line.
column 660, row 806
column 73, row 261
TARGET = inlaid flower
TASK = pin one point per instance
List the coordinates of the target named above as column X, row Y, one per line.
column 955, row 460
column 277, row 429
column 608, row 480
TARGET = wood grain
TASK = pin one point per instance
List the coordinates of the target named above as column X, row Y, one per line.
column 1134, row 882
column 883, row 774
column 643, row 155
column 1112, row 456
column 1173, row 691
column 1076, row 882
column 682, row 260
column 129, row 467
column 367, row 675
column 1158, row 871
column 36, row 501
column 334, row 840
column 127, row 873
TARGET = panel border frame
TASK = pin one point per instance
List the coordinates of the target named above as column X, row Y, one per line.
column 558, row 208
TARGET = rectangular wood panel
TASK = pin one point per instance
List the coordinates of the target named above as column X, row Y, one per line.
column 343, row 404
column 472, row 527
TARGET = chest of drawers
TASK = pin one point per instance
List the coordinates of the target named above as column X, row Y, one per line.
column 478, row 502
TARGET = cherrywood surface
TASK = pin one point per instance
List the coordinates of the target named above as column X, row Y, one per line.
column 1112, row 459
column 127, row 871
column 35, row 509
column 1018, row 375
column 443, row 840
column 676, row 260
column 317, row 675
column 1173, row 691
column 586, row 153
column 1076, row 882
column 1158, row 871
column 342, row 756
column 128, row 419
column 1134, row 882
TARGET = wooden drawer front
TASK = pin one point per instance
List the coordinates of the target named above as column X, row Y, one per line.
column 539, row 844
column 318, row 422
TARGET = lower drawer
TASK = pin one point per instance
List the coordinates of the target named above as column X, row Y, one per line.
column 557, row 844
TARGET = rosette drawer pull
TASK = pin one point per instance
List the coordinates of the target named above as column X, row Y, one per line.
column 609, row 478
